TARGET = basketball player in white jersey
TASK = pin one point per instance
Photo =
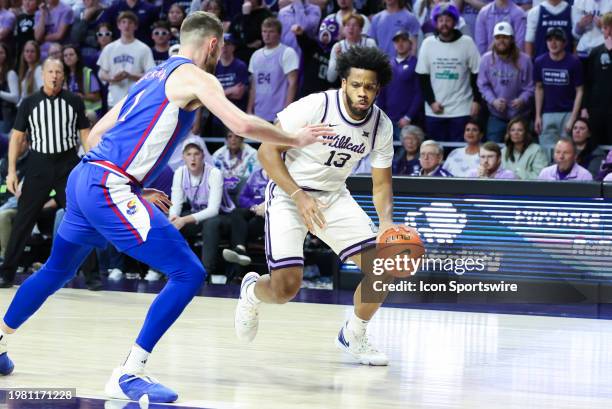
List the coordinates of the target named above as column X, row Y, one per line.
column 307, row 192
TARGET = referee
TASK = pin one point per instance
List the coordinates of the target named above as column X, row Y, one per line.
column 53, row 119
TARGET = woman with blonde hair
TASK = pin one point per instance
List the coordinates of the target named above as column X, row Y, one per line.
column 30, row 70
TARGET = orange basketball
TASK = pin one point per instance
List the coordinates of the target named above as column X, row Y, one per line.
column 404, row 241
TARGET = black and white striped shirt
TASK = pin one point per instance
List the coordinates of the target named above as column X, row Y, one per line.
column 53, row 123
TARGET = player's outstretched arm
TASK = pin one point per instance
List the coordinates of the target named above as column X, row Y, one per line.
column 189, row 82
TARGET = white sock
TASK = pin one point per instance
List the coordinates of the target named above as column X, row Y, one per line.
column 356, row 325
column 3, row 341
column 250, row 293
column 136, row 360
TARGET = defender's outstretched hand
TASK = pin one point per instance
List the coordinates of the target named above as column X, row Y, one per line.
column 313, row 133
column 158, row 198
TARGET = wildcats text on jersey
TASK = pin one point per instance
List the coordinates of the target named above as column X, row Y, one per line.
column 344, row 142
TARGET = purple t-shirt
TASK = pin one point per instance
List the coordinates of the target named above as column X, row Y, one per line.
column 576, row 173
column 7, row 19
column 385, row 25
column 58, row 15
column 271, row 82
column 501, row 173
column 490, row 15
column 94, row 85
column 559, row 79
column 235, row 73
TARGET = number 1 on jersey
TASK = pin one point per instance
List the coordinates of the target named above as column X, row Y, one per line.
column 136, row 100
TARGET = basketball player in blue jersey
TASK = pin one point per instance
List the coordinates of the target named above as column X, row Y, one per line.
column 106, row 200
column 307, row 192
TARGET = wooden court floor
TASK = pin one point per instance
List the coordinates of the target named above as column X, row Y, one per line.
column 439, row 359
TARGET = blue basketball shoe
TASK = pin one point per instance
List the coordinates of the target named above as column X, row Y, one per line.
column 359, row 348
column 136, row 386
column 6, row 365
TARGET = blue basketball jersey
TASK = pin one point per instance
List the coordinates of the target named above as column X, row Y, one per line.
column 148, row 129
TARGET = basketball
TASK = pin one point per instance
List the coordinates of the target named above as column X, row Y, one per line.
column 400, row 240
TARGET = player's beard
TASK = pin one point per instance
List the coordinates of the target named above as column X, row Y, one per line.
column 356, row 112
column 210, row 64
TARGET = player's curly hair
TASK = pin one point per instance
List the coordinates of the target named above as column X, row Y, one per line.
column 365, row 58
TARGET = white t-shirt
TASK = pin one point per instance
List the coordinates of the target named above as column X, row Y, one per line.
column 135, row 57
column 592, row 36
column 215, row 192
column 326, row 167
column 289, row 61
column 449, row 66
column 534, row 15
column 460, row 164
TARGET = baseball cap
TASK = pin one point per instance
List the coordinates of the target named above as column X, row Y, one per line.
column 400, row 33
column 503, row 28
column 194, row 140
column 557, row 32
column 229, row 38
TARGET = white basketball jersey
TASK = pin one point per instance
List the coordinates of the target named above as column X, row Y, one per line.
column 326, row 167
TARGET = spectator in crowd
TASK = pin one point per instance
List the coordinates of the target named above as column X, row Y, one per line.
column 345, row 8
column 461, row 161
column 52, row 24
column 125, row 60
column 176, row 15
column 546, row 15
column 490, row 166
column 24, row 25
column 587, row 19
column 7, row 22
column 299, row 13
column 252, row 197
column 83, row 30
column 251, row 208
column 559, row 89
column 55, row 51
column 606, row 168
column 146, row 13
column 505, row 80
column 233, row 75
column 30, row 70
column 81, row 80
column 401, row 99
column 184, row 4
column 236, row 160
column 316, row 55
column 160, row 33
column 104, row 36
column 52, row 156
column 522, row 155
column 469, row 11
column 393, row 18
column 352, row 29
column 9, row 91
column 590, row 156
column 423, row 9
column 246, row 28
column 216, row 7
column 598, row 86
column 430, row 160
column 274, row 74
column 448, row 67
column 489, row 18
column 406, row 160
column 565, row 167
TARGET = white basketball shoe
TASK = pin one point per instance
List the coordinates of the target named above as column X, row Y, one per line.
column 359, row 348
column 246, row 320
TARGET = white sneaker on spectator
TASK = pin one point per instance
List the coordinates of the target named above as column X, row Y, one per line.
column 153, row 275
column 236, row 256
column 115, row 274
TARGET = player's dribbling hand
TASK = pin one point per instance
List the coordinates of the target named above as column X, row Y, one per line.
column 158, row 198
column 382, row 227
column 310, row 210
column 312, row 134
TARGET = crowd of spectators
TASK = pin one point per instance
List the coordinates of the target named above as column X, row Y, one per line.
column 524, row 87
